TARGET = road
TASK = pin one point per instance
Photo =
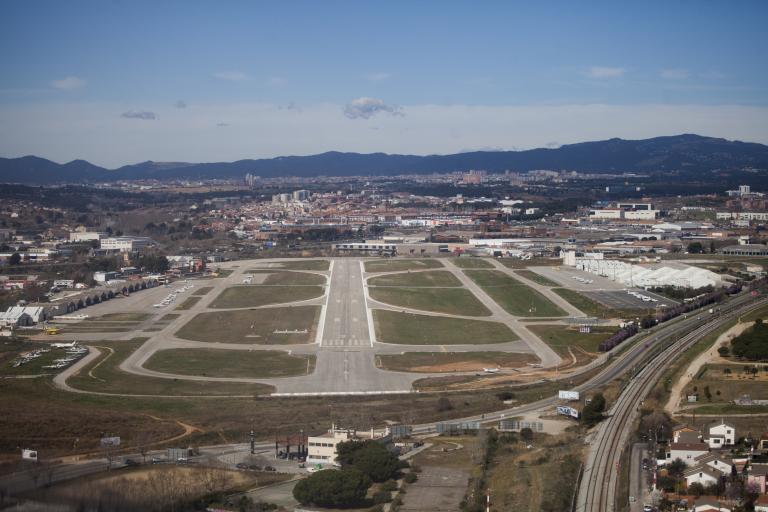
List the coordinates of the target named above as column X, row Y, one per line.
column 597, row 492
column 638, row 487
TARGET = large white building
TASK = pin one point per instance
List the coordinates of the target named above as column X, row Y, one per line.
column 126, row 243
column 323, row 449
column 648, row 276
column 85, row 236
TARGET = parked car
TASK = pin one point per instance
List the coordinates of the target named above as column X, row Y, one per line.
column 269, row 468
column 241, row 465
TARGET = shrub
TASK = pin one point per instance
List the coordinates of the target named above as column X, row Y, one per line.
column 382, row 497
column 410, row 478
column 331, row 488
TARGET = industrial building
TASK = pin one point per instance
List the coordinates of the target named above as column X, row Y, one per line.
column 745, row 250
column 125, row 243
column 644, row 276
column 322, row 449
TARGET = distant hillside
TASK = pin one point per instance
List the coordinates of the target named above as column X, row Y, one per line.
column 690, row 153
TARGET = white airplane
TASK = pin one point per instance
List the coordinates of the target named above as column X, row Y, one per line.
column 64, row 345
column 491, row 370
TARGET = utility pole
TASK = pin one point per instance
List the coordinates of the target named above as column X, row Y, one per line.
column 253, row 441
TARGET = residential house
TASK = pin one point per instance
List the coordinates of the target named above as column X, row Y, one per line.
column 709, row 504
column 722, row 464
column 701, row 474
column 761, row 504
column 687, row 452
column 722, row 434
column 676, row 431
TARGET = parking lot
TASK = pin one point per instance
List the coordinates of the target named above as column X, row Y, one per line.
column 623, row 300
column 577, row 279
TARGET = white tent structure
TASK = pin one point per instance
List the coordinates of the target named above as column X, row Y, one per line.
column 647, row 276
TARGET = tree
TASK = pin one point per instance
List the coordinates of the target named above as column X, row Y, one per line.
column 444, row 404
column 695, row 248
column 331, row 488
column 369, row 457
column 676, row 468
column 15, row 259
column 696, row 489
column 593, row 411
column 526, row 434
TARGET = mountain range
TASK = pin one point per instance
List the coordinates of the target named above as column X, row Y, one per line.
column 688, row 153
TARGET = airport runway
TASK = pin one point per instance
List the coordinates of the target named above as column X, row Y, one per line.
column 345, row 344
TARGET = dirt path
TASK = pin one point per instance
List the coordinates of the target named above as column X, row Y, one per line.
column 675, row 396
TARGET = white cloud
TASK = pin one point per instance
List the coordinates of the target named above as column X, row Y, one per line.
column 68, row 83
column 365, row 108
column 91, row 130
column 231, row 76
column 276, row 81
column 135, row 114
column 675, row 74
column 604, row 72
column 378, row 77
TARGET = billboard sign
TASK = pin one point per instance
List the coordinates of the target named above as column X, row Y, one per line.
column 107, row 442
column 568, row 395
column 567, row 411
column 29, row 455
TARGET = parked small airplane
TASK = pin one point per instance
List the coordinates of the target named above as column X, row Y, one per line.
column 491, row 370
column 64, row 345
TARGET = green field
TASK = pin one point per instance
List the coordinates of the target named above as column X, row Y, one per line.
column 105, row 376
column 255, row 326
column 454, row 301
column 471, row 263
column 395, row 265
column 120, row 317
column 560, row 337
column 202, row 291
column 536, row 278
column 188, row 303
column 297, row 264
column 251, row 296
column 410, row 329
column 255, row 364
column 33, row 367
column 435, row 362
column 293, row 279
column 431, row 278
column 515, row 297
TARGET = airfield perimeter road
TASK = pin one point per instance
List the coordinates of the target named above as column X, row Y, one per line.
column 597, row 492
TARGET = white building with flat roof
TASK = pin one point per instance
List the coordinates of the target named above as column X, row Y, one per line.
column 323, row 449
column 126, row 243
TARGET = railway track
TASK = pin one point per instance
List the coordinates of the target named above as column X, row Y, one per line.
column 597, row 492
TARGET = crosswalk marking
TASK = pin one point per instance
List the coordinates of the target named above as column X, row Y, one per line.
column 352, row 342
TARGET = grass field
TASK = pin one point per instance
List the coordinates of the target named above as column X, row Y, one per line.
column 560, row 338
column 432, row 278
column 169, row 317
column 253, row 364
column 202, row 291
column 120, row 317
column 727, row 382
column 455, row 301
column 255, row 326
column 251, row 296
column 471, row 263
column 395, row 265
column 188, row 303
column 302, row 264
column 433, row 362
column 34, row 367
column 408, row 329
column 536, row 278
column 105, row 376
column 515, row 297
column 294, row 278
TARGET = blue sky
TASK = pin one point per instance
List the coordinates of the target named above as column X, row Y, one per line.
column 119, row 82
